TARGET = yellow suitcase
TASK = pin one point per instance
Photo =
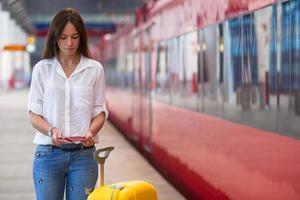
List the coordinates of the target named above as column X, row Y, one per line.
column 129, row 190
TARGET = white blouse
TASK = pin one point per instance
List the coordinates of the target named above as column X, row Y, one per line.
column 67, row 103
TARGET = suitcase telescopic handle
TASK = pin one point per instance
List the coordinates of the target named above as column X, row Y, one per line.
column 100, row 155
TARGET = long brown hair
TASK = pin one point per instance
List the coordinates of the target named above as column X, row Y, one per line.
column 56, row 27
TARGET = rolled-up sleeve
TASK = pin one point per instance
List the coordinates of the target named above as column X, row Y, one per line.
column 100, row 104
column 35, row 101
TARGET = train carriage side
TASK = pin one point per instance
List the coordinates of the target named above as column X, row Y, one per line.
column 215, row 107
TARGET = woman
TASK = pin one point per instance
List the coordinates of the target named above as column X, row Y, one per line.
column 66, row 99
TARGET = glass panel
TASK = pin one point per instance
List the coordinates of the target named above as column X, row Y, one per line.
column 263, row 112
column 248, row 86
column 173, row 69
column 220, row 73
column 201, row 47
column 184, row 71
column 232, row 34
column 111, row 72
column 289, row 108
column 210, row 84
column 129, row 70
column 189, row 75
column 162, row 88
column 247, row 57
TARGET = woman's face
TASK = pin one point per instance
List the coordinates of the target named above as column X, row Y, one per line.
column 68, row 40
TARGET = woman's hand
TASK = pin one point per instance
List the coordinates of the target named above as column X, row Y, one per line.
column 56, row 134
column 89, row 139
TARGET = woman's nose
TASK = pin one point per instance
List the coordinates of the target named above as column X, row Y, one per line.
column 69, row 41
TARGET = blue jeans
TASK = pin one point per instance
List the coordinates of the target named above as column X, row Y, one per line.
column 56, row 171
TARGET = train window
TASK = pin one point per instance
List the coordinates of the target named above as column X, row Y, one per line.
column 257, row 111
column 233, row 37
column 162, row 75
column 285, row 76
column 111, row 72
column 210, row 100
column 187, row 71
column 201, row 75
column 261, row 71
column 121, row 69
column 173, row 69
column 129, row 70
column 178, row 75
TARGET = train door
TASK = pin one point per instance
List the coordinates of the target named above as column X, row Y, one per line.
column 136, row 105
column 146, row 94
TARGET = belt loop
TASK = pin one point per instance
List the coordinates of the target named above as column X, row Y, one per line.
column 81, row 146
column 51, row 148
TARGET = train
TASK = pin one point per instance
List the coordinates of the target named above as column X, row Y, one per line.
column 209, row 93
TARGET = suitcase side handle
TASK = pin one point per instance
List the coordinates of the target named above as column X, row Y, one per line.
column 100, row 155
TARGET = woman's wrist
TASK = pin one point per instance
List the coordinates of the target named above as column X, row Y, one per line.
column 91, row 132
column 50, row 131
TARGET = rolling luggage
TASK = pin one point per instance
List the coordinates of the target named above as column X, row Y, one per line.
column 130, row 190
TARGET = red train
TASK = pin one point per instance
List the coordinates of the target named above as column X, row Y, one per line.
column 208, row 92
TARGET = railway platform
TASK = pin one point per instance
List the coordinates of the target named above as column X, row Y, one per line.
column 17, row 150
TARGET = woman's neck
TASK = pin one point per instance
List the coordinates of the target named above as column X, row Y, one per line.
column 69, row 60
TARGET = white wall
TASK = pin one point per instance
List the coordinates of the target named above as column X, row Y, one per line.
column 14, row 65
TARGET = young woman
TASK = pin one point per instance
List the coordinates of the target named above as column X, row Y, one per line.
column 67, row 98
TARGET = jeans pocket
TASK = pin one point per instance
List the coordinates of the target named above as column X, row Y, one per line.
column 88, row 153
column 42, row 151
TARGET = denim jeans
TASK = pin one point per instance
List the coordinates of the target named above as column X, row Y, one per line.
column 56, row 171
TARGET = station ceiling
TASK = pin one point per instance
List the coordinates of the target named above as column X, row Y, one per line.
column 100, row 16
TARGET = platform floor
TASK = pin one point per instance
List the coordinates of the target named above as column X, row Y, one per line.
column 16, row 154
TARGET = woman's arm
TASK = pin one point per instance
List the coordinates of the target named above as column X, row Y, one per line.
column 39, row 123
column 96, row 124
column 42, row 126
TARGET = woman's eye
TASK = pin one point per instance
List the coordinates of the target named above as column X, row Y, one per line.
column 75, row 37
column 62, row 37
